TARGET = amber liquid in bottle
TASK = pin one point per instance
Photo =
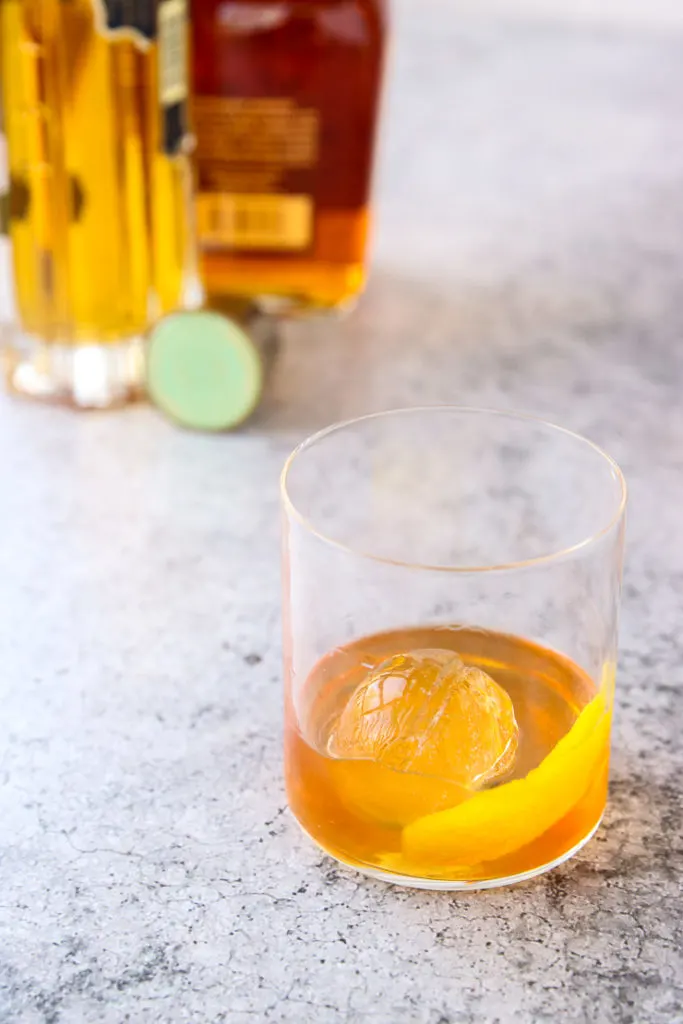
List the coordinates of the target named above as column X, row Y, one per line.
column 285, row 113
column 420, row 824
column 94, row 97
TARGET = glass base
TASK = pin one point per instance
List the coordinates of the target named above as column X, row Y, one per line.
column 87, row 376
column 287, row 289
column 439, row 885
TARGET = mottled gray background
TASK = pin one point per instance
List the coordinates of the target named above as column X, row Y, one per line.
column 530, row 255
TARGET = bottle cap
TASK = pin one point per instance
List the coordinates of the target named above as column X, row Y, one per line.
column 204, row 370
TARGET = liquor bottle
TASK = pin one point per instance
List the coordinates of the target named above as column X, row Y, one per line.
column 99, row 207
column 285, row 113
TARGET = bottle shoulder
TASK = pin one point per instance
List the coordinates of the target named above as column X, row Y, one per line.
column 342, row 20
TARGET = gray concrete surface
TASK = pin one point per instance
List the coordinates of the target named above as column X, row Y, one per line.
column 529, row 255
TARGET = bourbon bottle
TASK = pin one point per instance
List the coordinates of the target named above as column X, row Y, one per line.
column 285, row 114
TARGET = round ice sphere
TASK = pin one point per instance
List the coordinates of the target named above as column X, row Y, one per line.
column 429, row 713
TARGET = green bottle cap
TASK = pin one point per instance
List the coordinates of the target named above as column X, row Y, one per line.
column 203, row 370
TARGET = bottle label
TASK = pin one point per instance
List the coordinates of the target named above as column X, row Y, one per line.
column 173, row 55
column 257, row 160
column 172, row 25
column 164, row 22
column 246, row 221
column 127, row 19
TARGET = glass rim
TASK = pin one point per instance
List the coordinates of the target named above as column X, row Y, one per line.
column 554, row 556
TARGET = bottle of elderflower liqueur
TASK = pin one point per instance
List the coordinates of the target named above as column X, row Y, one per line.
column 98, row 208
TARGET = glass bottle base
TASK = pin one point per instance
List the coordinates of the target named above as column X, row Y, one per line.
column 295, row 289
column 438, row 885
column 97, row 376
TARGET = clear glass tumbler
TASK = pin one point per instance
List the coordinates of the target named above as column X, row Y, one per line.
column 451, row 594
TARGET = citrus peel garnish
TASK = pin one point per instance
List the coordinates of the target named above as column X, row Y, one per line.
column 498, row 821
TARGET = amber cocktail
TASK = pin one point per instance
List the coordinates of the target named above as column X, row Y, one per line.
column 471, row 749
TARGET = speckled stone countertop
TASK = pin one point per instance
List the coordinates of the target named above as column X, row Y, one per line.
column 529, row 255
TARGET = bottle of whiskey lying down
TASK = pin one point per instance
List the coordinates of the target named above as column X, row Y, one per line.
column 99, row 203
column 285, row 113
